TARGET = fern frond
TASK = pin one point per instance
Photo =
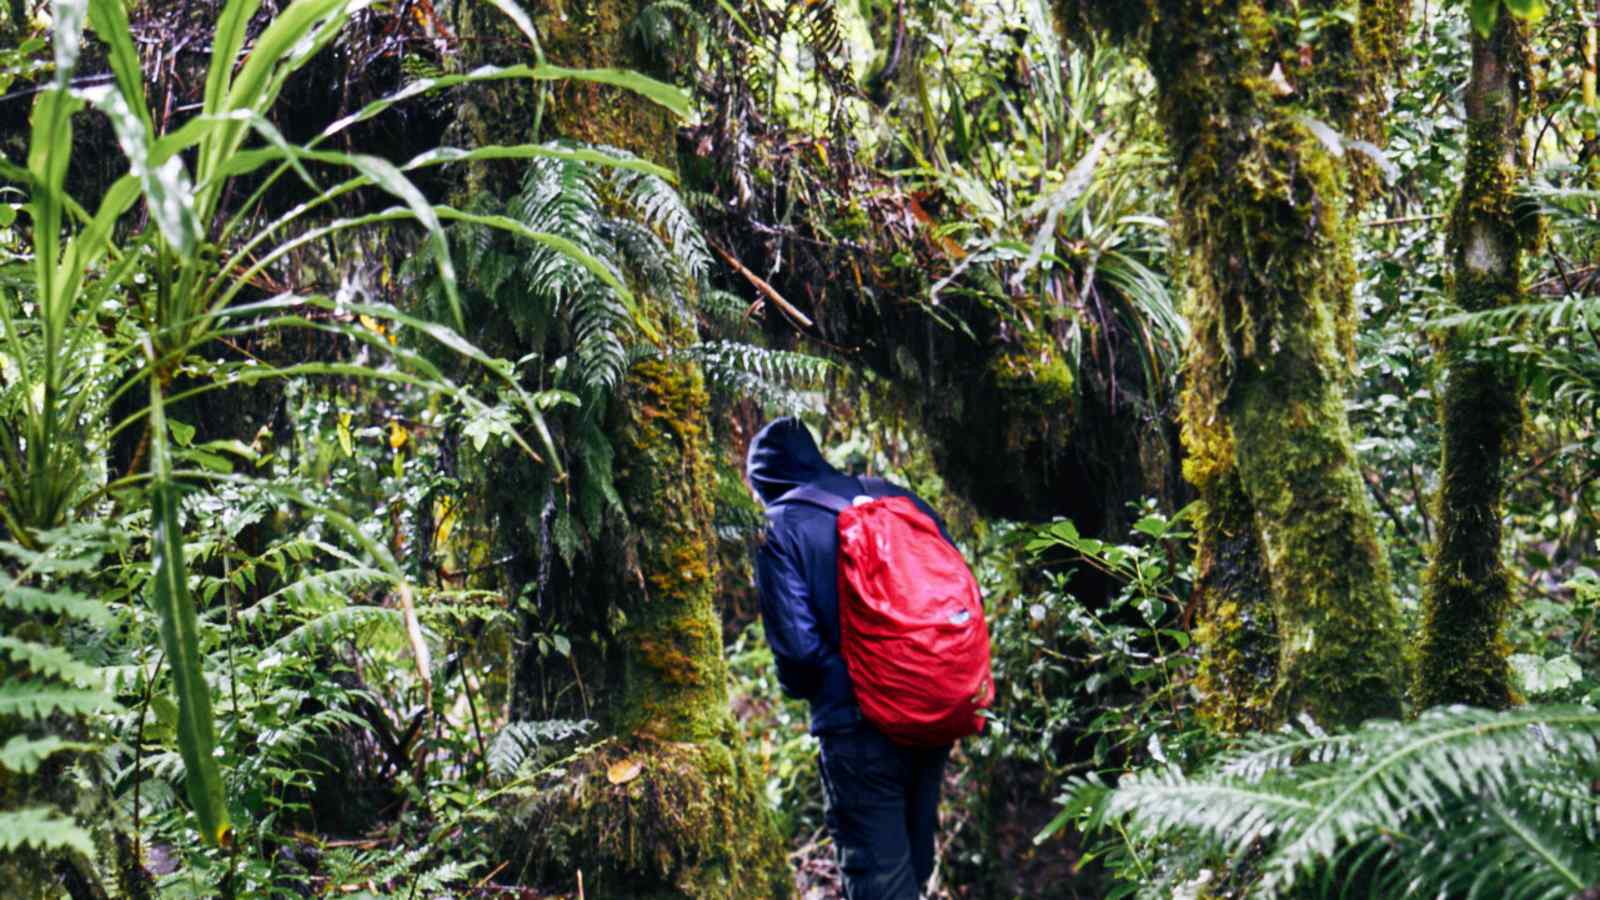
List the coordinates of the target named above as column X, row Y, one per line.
column 42, row 829
column 31, row 700
column 350, row 622
column 1436, row 796
column 772, row 376
column 24, row 755
column 520, row 742
column 661, row 208
column 50, row 662
column 63, row 603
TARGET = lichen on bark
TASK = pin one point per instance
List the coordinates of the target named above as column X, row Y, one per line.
column 1467, row 590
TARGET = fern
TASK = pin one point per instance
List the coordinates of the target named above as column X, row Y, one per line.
column 771, row 376
column 1459, row 802
column 521, row 744
column 23, row 755
column 42, row 828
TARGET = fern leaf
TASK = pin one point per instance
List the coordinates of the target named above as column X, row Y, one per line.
column 50, row 662
column 64, row 603
column 30, row 700
column 43, row 829
column 519, row 742
column 24, row 755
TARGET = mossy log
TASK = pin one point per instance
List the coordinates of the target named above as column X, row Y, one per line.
column 1252, row 117
column 1467, row 590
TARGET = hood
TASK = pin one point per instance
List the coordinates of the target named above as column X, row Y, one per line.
column 783, row 456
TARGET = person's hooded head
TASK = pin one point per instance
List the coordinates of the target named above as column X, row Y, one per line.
column 783, row 456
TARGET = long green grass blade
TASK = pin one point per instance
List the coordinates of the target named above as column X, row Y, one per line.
column 226, row 42
column 658, row 91
column 180, row 636
column 110, row 22
column 168, row 193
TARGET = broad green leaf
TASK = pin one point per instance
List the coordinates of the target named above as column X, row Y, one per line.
column 180, row 637
column 277, row 52
column 1532, row 10
column 445, row 155
column 1484, row 13
column 226, row 42
column 49, row 152
column 66, row 23
column 658, row 91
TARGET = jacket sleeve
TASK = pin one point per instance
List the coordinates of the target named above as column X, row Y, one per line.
column 791, row 625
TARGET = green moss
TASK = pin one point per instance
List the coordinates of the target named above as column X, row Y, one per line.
column 1265, row 241
column 1237, row 629
column 596, row 33
column 674, row 674
column 1467, row 590
column 690, row 823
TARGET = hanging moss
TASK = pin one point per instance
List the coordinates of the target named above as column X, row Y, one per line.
column 1467, row 590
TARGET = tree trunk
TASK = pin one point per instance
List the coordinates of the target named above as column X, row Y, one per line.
column 671, row 805
column 1253, row 117
column 1467, row 592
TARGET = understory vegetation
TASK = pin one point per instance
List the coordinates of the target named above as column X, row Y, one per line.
column 376, row 378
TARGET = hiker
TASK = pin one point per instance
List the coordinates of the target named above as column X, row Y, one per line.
column 882, row 796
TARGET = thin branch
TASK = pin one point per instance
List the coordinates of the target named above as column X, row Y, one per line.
column 768, row 290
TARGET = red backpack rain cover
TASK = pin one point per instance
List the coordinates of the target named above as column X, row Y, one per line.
column 911, row 626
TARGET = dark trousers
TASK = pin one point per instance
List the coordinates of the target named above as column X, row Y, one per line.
column 882, row 803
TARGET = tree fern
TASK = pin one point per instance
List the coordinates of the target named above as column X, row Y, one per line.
column 1416, row 808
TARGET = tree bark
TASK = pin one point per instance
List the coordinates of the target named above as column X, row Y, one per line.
column 671, row 805
column 1467, row 590
column 1253, row 119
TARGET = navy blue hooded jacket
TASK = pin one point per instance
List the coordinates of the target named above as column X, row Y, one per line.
column 797, row 571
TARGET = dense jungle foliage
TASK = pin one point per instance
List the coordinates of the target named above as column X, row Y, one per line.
column 376, row 378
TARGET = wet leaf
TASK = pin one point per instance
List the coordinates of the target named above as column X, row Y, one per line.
column 623, row 771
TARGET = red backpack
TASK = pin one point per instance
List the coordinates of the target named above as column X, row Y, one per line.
column 911, row 625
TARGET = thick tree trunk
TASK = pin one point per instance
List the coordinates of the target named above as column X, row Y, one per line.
column 1250, row 115
column 671, row 805
column 1467, row 590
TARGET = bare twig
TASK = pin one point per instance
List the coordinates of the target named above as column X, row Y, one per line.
column 767, row 290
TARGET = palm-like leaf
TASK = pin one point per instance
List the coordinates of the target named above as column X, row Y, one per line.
column 1418, row 809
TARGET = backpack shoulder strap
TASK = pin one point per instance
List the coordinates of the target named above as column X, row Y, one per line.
column 877, row 487
column 815, row 496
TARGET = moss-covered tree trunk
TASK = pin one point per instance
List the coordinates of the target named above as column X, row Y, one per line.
column 670, row 805
column 1253, row 108
column 1467, row 590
